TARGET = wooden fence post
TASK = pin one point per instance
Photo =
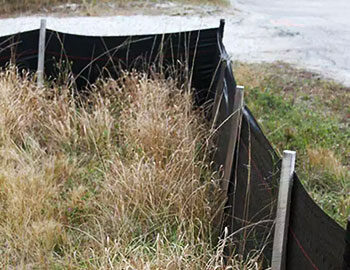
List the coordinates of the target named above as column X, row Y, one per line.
column 237, row 109
column 221, row 27
column 346, row 263
column 234, row 119
column 282, row 216
column 41, row 53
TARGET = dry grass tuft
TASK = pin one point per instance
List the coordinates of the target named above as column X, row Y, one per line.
column 114, row 180
column 321, row 158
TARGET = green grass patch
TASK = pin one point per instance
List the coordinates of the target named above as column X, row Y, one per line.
column 301, row 111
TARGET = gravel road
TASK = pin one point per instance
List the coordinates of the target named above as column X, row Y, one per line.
column 310, row 34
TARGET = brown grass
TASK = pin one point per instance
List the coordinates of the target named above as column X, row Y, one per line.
column 326, row 159
column 89, row 7
column 11, row 6
column 115, row 180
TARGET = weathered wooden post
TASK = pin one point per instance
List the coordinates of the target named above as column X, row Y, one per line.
column 41, row 53
column 282, row 216
column 234, row 120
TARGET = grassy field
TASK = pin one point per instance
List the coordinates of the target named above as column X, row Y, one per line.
column 118, row 179
column 299, row 110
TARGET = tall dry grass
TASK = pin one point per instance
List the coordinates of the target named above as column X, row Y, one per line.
column 118, row 179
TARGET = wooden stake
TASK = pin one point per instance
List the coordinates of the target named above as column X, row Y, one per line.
column 235, row 121
column 232, row 143
column 41, row 54
column 221, row 27
column 282, row 216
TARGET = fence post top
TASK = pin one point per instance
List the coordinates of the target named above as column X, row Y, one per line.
column 240, row 87
column 289, row 153
column 222, row 26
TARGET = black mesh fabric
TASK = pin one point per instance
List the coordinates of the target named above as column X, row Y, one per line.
column 20, row 49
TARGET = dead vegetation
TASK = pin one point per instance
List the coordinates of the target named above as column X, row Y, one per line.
column 108, row 7
column 116, row 180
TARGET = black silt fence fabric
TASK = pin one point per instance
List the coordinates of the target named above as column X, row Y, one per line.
column 20, row 49
column 225, row 92
column 346, row 264
column 89, row 58
column 253, row 191
column 315, row 241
